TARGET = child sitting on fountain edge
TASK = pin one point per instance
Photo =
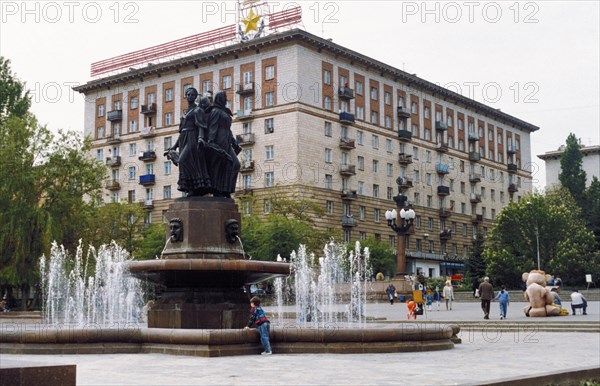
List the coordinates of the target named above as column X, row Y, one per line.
column 258, row 317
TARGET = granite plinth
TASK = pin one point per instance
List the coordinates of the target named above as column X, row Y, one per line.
column 14, row 373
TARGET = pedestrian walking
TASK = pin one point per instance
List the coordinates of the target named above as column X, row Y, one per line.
column 504, row 299
column 391, row 293
column 486, row 291
column 448, row 294
column 429, row 300
column 437, row 297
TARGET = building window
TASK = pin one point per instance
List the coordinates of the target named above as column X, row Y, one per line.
column 417, row 198
column 461, row 145
column 360, row 163
column 360, row 137
column 167, row 192
column 326, row 76
column 226, row 82
column 374, row 115
column 375, row 166
column 376, row 214
column 360, row 112
column 100, row 131
column 150, row 98
column 248, row 76
column 428, row 134
column 390, row 193
column 167, row 166
column 328, row 155
column 375, row 191
column 270, row 98
column 269, row 125
column 387, row 98
column 361, row 188
column 100, row 110
column 463, row 208
column 132, row 126
column 362, row 211
column 269, row 153
column 131, row 172
column 388, row 122
column 248, row 103
column 375, row 141
column 269, row 72
column 132, row 149
column 427, row 112
column 100, row 155
column 168, row 119
column 390, row 170
column 327, row 103
column 329, row 207
column 416, row 177
column 359, row 88
column 328, row 181
column 327, row 129
column 374, row 93
column 389, row 147
column 269, row 179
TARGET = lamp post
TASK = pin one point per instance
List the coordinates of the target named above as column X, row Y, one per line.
column 407, row 218
column 537, row 238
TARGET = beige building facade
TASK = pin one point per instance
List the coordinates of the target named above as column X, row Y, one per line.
column 321, row 121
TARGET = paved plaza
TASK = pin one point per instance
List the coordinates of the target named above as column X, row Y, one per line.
column 484, row 356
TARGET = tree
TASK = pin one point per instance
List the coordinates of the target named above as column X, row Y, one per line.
column 572, row 176
column 152, row 243
column 565, row 243
column 591, row 208
column 14, row 101
column 123, row 223
column 381, row 255
column 475, row 265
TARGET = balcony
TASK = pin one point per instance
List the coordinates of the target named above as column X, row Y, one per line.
column 348, row 221
column 245, row 89
column 443, row 190
column 149, row 108
column 476, row 218
column 244, row 191
column 404, row 135
column 473, row 137
column 349, row 195
column 474, row 177
column 512, row 168
column 346, row 117
column 441, row 147
column 441, row 126
column 348, row 170
column 113, row 162
column 512, row 188
column 475, row 198
column 347, row 144
column 442, row 168
column 511, row 149
column 404, row 159
column 115, row 115
column 474, row 156
column 113, row 140
column 403, row 112
column 147, row 179
column 446, row 234
column 404, row 183
column 148, row 132
column 147, row 204
column 246, row 139
column 345, row 93
column 247, row 166
column 445, row 212
column 112, row 185
column 244, row 114
column 148, row 155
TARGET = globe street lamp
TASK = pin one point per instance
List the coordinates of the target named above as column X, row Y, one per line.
column 407, row 217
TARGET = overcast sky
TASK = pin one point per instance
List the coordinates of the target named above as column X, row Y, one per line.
column 536, row 60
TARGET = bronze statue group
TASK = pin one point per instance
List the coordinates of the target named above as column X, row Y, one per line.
column 207, row 157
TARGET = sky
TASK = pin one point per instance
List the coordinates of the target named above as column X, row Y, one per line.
column 536, row 60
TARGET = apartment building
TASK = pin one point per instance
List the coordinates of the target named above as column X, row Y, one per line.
column 321, row 121
column 590, row 164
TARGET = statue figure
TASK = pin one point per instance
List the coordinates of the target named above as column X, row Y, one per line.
column 222, row 148
column 176, row 230
column 194, row 178
column 232, row 230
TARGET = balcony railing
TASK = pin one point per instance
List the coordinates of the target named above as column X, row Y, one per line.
column 443, row 190
column 247, row 166
column 403, row 112
column 475, row 177
column 442, row 168
column 512, row 188
column 347, row 144
column 348, row 221
column 442, row 147
column 474, row 156
column 245, row 139
column 115, row 115
column 441, row 125
column 404, row 159
column 404, row 135
column 147, row 179
column 446, row 234
column 149, row 108
column 445, row 212
column 112, row 185
column 404, row 183
column 349, row 195
column 113, row 161
column 512, row 168
column 345, row 93
column 244, row 89
column 147, row 204
column 348, row 170
column 244, row 114
column 346, row 117
column 148, row 155
column 148, row 132
column 112, row 140
column 473, row 136
column 475, row 198
column 476, row 218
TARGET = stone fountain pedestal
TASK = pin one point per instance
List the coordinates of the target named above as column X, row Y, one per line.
column 204, row 272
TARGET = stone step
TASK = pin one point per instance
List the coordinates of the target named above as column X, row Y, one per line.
column 591, row 295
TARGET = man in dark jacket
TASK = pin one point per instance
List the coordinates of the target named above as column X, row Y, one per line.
column 486, row 291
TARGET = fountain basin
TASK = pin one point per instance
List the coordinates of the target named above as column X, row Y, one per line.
column 407, row 337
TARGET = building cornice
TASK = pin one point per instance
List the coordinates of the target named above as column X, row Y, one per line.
column 320, row 45
column 587, row 150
